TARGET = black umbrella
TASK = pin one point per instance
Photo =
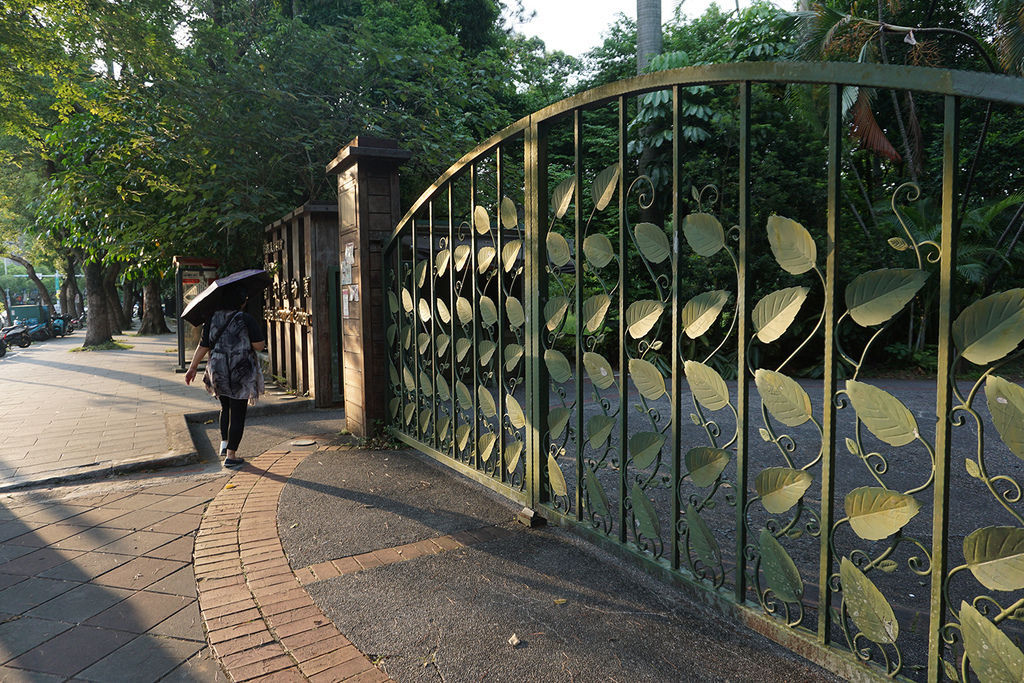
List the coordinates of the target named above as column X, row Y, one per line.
column 210, row 299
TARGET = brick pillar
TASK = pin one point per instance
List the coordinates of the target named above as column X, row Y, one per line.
column 368, row 211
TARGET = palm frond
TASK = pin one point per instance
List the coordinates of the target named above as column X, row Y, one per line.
column 867, row 131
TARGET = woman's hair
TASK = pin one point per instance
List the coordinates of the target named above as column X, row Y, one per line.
column 233, row 297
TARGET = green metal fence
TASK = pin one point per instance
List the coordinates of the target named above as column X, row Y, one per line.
column 547, row 340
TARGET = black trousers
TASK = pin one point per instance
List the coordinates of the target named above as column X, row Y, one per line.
column 232, row 420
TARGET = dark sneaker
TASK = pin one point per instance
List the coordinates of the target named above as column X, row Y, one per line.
column 223, row 452
column 233, row 462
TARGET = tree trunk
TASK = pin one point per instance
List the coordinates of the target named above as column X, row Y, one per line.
column 62, row 297
column 115, row 316
column 98, row 330
column 648, row 32
column 128, row 296
column 152, row 312
column 6, row 301
column 44, row 293
column 74, row 295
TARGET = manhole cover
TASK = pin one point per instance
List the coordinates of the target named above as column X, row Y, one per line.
column 303, row 442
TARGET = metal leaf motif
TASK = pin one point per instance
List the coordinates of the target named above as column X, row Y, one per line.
column 423, row 342
column 513, row 451
column 774, row 313
column 868, row 608
column 410, row 413
column 557, row 420
column 484, row 259
column 701, row 539
column 442, row 312
column 561, row 198
column 462, row 254
column 513, row 354
column 426, row 386
column 598, row 250
column 462, row 393
column 642, row 316
column 442, row 427
column 594, row 310
column 485, row 401
column 883, row 414
column 514, row 412
column 392, row 332
column 707, row 385
column 874, row 297
column 701, row 312
column 990, row 328
column 514, row 313
column 555, row 477
column 599, row 428
column 792, row 245
column 509, row 215
column 554, row 312
column 510, row 253
column 441, row 261
column 1006, row 404
column 598, row 369
column 558, row 249
column 876, row 513
column 443, row 392
column 485, row 446
column 409, row 379
column 558, row 366
column 462, row 437
column 395, row 406
column 992, row 654
column 783, row 397
column 604, row 186
column 464, row 310
column 484, row 352
column 704, row 464
column 644, row 448
column 644, row 513
column 995, row 555
column 407, row 338
column 652, row 242
column 393, row 305
column 595, row 493
column 406, row 300
column 462, row 347
column 488, row 311
column 780, row 571
column 781, row 487
column 481, row 220
column 647, row 378
column 703, row 233
column 421, row 273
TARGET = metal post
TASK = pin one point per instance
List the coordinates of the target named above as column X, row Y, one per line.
column 743, row 336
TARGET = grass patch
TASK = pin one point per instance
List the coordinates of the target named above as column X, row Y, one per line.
column 114, row 345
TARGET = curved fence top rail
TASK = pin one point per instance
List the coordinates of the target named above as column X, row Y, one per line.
column 991, row 87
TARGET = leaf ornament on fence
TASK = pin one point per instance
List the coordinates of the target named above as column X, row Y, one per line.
column 652, row 242
column 701, row 312
column 642, row 316
column 510, row 254
column 644, row 513
column 561, row 198
column 555, row 477
column 481, row 220
column 995, row 555
column 883, row 414
column 704, row 464
column 644, row 448
column 598, row 250
column 558, row 418
column 700, row 539
column 876, row 513
column 874, row 297
column 594, row 310
column 780, row 572
column 867, row 607
column 773, row 314
column 647, row 378
column 598, row 499
column 791, row 244
column 508, row 213
column 992, row 654
column 604, row 186
column 558, row 249
column 1006, row 404
column 783, row 397
column 989, row 329
column 558, row 366
column 779, row 488
column 703, row 233
column 599, row 370
column 707, row 385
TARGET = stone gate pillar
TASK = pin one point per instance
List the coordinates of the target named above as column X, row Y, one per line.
column 368, row 211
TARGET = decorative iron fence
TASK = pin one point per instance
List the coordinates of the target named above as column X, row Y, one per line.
column 550, row 338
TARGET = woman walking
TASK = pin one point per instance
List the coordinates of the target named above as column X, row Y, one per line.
column 231, row 337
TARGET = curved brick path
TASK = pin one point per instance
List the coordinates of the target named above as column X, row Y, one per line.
column 259, row 619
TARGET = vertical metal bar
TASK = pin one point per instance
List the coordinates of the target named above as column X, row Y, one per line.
column 500, row 304
column 474, row 302
column 943, row 389
column 452, row 323
column 743, row 337
column 536, row 210
column 677, row 366
column 623, row 386
column 828, row 454
column 415, row 351
column 436, row 442
column 399, row 321
column 577, row 132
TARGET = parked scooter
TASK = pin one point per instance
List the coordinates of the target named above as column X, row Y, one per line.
column 61, row 326
column 39, row 331
column 16, row 334
column 3, row 347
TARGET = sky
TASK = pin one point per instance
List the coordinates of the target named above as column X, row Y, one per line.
column 575, row 26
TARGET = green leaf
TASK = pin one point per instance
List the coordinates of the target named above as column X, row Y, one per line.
column 783, row 397
column 462, row 347
column 774, row 314
column 481, row 220
column 876, row 296
column 701, row 312
column 780, row 571
column 867, row 607
column 488, row 311
column 647, row 378
column 1006, row 403
column 781, row 487
column 485, row 401
column 705, row 464
column 604, row 186
column 876, row 513
column 514, row 412
column 485, row 446
column 644, row 448
column 485, row 351
column 596, row 496
column 442, row 311
column 558, row 418
column 555, row 477
column 644, row 513
column 995, row 555
column 558, row 249
column 641, row 316
column 514, row 313
column 701, row 540
column 882, row 413
column 594, row 310
column 561, row 198
column 513, row 451
column 484, row 258
column 707, row 385
column 513, row 354
column 554, row 312
column 652, row 242
column 992, row 654
column 462, row 254
column 990, row 328
column 464, row 309
column 598, row 250
column 792, row 245
column 599, row 428
column 510, row 253
column 599, row 370
column 703, row 233
column 558, row 366
column 509, row 215
column 441, row 261
column 462, row 437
